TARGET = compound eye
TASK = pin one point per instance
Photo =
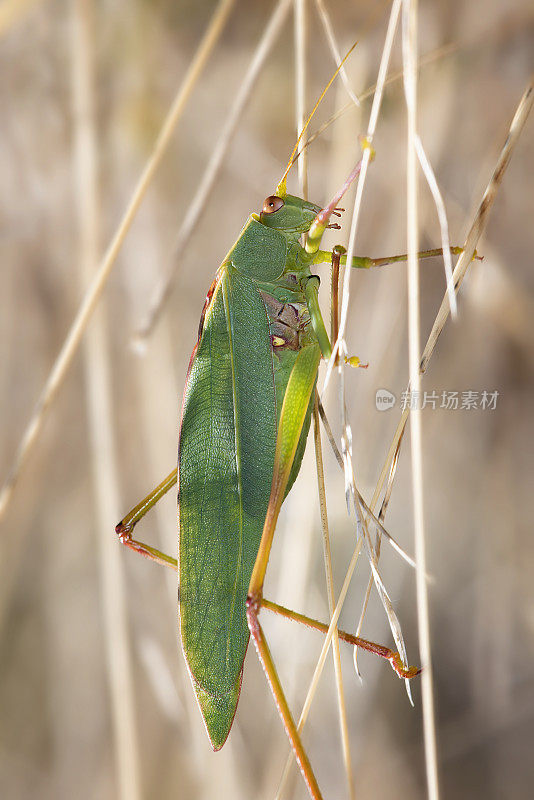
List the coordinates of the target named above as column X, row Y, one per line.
column 272, row 204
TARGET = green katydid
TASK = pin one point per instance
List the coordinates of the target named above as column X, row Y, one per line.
column 245, row 419
column 246, row 413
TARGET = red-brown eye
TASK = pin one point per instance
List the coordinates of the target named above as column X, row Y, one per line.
column 272, row 204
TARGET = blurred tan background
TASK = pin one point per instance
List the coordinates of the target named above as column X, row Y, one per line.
column 56, row 720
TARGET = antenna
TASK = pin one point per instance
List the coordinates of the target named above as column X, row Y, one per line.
column 281, row 190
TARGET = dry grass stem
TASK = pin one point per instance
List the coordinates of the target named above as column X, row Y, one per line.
column 164, row 286
column 481, row 218
column 429, row 58
column 302, row 164
column 331, row 598
column 473, row 237
column 409, row 52
column 334, row 48
column 300, row 34
column 373, row 119
column 99, row 411
column 93, row 293
column 361, row 500
column 372, row 126
column 379, row 533
column 321, row 660
column 347, row 434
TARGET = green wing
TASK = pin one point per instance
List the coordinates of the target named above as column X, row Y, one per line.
column 226, row 458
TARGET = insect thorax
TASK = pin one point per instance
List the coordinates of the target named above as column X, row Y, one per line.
column 289, row 319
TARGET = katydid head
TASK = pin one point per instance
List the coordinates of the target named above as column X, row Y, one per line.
column 288, row 213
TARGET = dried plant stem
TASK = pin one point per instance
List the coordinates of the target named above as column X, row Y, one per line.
column 373, row 119
column 429, row 58
column 409, row 42
column 98, row 389
column 481, row 217
column 347, row 434
column 331, row 39
column 331, row 598
column 73, row 338
column 378, row 541
column 322, row 659
column 477, row 228
column 197, row 204
column 473, row 237
column 372, row 126
column 300, row 80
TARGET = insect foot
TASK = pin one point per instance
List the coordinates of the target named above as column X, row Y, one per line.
column 124, row 531
column 402, row 671
column 354, row 361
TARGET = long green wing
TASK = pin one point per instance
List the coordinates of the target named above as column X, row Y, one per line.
column 226, row 458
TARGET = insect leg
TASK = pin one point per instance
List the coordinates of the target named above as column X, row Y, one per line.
column 337, row 252
column 264, row 654
column 372, row 647
column 364, row 262
column 293, row 413
column 311, row 292
column 294, row 408
column 127, row 524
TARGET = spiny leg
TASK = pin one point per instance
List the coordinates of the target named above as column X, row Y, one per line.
column 364, row 262
column 372, row 647
column 337, row 252
column 127, row 524
column 311, row 293
column 338, row 257
column 264, row 654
